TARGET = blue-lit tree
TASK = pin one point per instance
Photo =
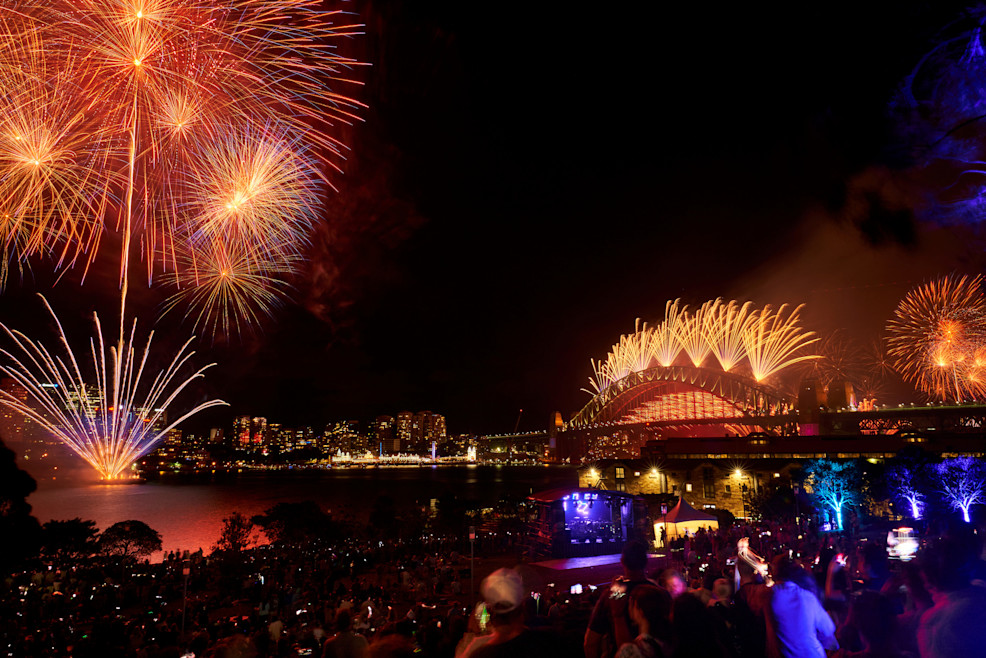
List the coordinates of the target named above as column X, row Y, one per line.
column 962, row 482
column 833, row 484
column 904, row 481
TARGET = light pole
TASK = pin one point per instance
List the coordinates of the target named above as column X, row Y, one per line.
column 472, row 567
column 185, row 571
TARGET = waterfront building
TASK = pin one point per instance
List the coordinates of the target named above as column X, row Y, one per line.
column 241, row 431
column 385, row 437
column 403, row 427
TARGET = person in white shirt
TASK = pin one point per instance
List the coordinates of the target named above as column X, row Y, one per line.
column 797, row 624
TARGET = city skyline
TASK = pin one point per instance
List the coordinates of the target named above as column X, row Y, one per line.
column 480, row 251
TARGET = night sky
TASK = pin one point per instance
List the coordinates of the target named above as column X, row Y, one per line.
column 531, row 178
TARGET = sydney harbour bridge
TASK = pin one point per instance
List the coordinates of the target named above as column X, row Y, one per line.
column 682, row 400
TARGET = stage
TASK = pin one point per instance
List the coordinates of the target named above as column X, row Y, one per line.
column 598, row 570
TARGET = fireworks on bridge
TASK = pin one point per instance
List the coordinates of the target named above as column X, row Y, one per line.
column 774, row 341
column 937, row 338
column 724, row 331
column 695, row 331
column 200, row 132
column 667, row 343
column 767, row 341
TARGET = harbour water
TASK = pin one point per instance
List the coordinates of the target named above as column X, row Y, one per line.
column 189, row 513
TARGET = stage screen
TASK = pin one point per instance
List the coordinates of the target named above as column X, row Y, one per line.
column 596, row 517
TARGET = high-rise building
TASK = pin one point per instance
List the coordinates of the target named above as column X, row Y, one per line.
column 419, row 432
column 258, row 431
column 386, row 438
column 15, row 427
column 241, row 431
column 403, row 425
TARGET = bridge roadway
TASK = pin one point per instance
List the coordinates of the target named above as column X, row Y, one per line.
column 968, row 417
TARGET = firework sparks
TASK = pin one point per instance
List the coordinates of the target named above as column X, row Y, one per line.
column 769, row 341
column 773, row 341
column 694, row 332
column 937, row 336
column 111, row 421
column 724, row 332
column 227, row 288
column 201, row 131
column 170, row 118
column 667, row 340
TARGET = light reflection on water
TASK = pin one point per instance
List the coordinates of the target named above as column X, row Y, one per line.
column 189, row 513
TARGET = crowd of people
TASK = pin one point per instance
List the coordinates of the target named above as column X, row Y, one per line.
column 822, row 595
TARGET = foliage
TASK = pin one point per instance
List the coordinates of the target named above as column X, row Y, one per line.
column 833, row 484
column 295, row 523
column 21, row 532
column 129, row 540
column 237, row 534
column 962, row 482
column 69, row 541
column 778, row 502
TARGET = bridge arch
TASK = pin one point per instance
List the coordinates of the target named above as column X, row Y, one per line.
column 680, row 393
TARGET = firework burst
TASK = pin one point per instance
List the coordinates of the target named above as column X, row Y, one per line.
column 199, row 131
column 937, row 336
column 109, row 417
column 768, row 341
column 773, row 341
column 227, row 290
column 724, row 332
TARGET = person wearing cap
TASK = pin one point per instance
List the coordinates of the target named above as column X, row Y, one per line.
column 503, row 594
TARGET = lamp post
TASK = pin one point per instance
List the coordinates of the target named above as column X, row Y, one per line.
column 186, row 569
column 472, row 566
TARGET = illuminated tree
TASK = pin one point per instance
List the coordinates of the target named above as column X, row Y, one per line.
column 962, row 482
column 833, row 484
column 904, row 480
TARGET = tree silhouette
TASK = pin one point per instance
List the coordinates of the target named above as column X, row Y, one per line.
column 20, row 531
column 237, row 534
column 295, row 523
column 129, row 540
column 70, row 540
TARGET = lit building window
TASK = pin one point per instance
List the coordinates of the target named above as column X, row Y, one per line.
column 688, row 487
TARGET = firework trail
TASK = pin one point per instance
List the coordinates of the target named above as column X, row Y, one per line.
column 937, row 335
column 169, row 119
column 694, row 332
column 111, row 423
column 667, row 340
column 773, row 341
column 226, row 289
column 724, row 332
column 200, row 132
column 769, row 342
